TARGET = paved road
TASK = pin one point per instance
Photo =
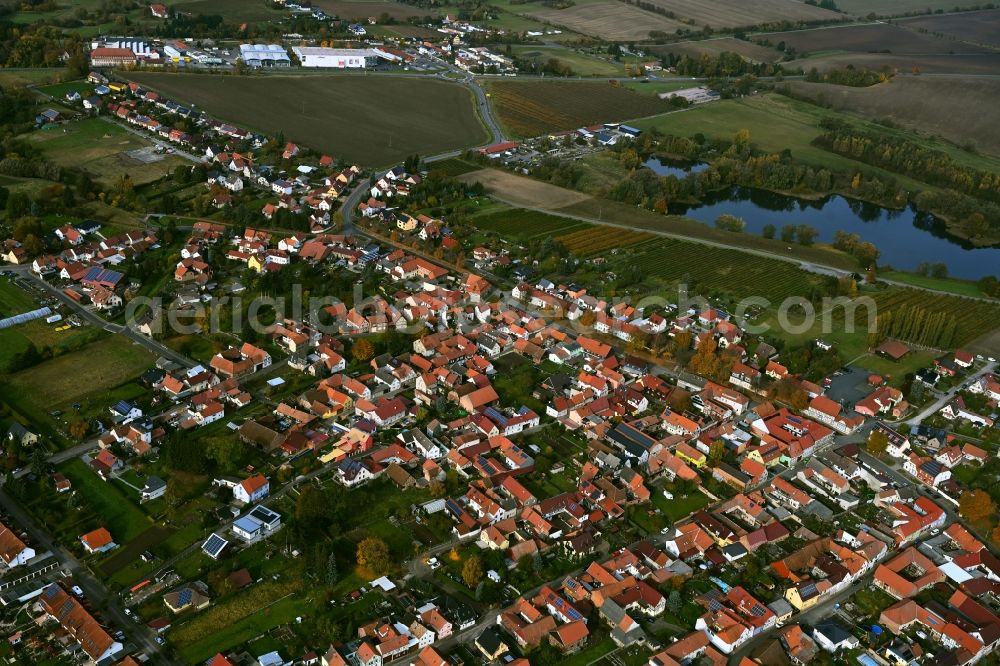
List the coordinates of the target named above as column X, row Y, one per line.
column 96, row 320
column 98, row 595
column 945, row 398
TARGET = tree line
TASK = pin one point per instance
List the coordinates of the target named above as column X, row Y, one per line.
column 970, row 196
column 917, row 325
column 856, row 77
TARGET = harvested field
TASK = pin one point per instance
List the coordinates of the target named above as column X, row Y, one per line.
column 959, row 109
column 361, row 10
column 970, row 27
column 371, row 120
column 877, row 38
column 532, row 108
column 234, row 11
column 608, row 19
column 713, row 47
column 893, row 7
column 973, row 63
column 522, row 191
column 739, row 13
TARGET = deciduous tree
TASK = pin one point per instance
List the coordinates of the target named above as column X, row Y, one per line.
column 363, row 349
column 877, row 442
column 472, row 571
column 373, row 554
column 976, row 505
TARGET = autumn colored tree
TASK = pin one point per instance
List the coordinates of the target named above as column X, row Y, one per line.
column 715, row 452
column 877, row 442
column 976, row 505
column 472, row 571
column 373, row 554
column 78, row 429
column 363, row 349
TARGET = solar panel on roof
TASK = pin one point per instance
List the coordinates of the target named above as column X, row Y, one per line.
column 214, row 545
column 185, row 596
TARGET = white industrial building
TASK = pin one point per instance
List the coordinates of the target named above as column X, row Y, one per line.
column 318, row 56
column 141, row 49
column 265, row 55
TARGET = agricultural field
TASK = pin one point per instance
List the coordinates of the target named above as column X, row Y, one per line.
column 362, row 9
column 592, row 241
column 581, row 63
column 608, row 19
column 523, row 191
column 872, row 38
column 947, row 63
column 526, row 224
column 234, row 11
column 714, row 271
column 893, row 7
column 533, row 108
column 713, row 47
column 973, row 318
column 738, row 13
column 777, row 123
column 963, row 110
column 453, row 166
column 105, row 150
column 388, row 117
column 968, row 27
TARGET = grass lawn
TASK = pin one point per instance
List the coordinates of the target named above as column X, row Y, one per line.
column 199, row 347
column 656, row 87
column 245, row 620
column 896, row 371
column 14, row 300
column 92, row 370
column 123, row 519
column 22, row 77
column 591, row 653
column 950, row 285
column 59, row 90
column 679, row 507
column 258, row 619
column 100, row 148
column 871, row 601
column 581, row 63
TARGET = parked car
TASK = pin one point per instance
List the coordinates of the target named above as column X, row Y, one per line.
column 434, row 563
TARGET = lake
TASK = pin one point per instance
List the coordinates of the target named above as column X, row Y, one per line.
column 904, row 237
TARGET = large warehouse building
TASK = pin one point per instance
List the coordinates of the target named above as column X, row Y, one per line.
column 265, row 55
column 317, row 56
